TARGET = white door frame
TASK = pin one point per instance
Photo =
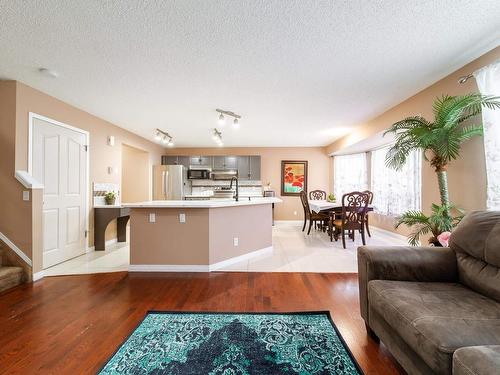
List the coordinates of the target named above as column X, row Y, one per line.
column 33, row 116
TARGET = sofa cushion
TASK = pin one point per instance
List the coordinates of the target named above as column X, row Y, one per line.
column 477, row 360
column 436, row 318
column 476, row 241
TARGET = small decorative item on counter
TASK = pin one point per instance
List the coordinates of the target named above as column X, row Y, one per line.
column 268, row 186
column 110, row 198
column 331, row 198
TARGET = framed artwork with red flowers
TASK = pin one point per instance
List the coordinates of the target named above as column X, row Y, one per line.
column 293, row 177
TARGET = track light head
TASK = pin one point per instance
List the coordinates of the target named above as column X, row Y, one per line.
column 236, row 123
column 222, row 120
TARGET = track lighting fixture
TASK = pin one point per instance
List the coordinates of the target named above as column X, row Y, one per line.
column 217, row 137
column 223, row 112
column 164, row 137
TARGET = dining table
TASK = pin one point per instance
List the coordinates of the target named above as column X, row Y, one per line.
column 324, row 205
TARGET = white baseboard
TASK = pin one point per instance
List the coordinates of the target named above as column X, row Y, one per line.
column 241, row 258
column 198, row 267
column 38, row 275
column 17, row 250
column 107, row 243
column 168, row 268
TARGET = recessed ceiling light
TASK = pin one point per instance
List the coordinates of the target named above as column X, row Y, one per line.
column 48, row 72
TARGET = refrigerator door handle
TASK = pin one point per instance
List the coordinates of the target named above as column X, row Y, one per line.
column 163, row 184
column 166, row 190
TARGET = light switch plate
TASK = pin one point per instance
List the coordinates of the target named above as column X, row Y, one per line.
column 26, row 195
column 182, row 218
column 236, row 241
column 152, row 217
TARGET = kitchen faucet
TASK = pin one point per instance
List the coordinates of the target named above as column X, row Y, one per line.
column 231, row 186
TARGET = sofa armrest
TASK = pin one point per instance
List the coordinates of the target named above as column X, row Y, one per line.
column 403, row 263
column 477, row 360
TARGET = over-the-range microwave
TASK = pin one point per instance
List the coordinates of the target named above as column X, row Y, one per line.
column 199, row 173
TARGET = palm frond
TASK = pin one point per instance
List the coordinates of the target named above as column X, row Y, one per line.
column 409, row 123
column 414, row 237
column 460, row 108
column 468, row 132
column 411, row 218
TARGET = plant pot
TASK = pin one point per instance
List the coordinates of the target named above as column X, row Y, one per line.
column 110, row 201
column 434, row 242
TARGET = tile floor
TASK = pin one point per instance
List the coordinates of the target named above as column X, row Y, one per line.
column 294, row 251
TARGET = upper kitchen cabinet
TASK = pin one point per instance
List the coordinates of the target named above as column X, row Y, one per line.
column 169, row 160
column 201, row 161
column 183, row 160
column 243, row 167
column 231, row 162
column 225, row 162
column 254, row 162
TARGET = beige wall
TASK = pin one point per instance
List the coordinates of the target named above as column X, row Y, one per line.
column 166, row 241
column 319, row 170
column 136, row 175
column 205, row 238
column 15, row 220
column 467, row 175
column 252, row 225
column 16, row 102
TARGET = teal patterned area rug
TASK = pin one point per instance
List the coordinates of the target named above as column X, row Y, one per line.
column 234, row 344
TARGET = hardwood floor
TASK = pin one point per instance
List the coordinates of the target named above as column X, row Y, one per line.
column 73, row 324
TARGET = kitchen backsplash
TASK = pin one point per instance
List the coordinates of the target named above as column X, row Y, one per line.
column 99, row 189
column 207, row 187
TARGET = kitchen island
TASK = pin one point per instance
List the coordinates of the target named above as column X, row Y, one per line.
column 198, row 236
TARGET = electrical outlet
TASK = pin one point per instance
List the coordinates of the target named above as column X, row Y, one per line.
column 182, row 218
column 236, row 241
column 26, row 195
column 152, row 217
column 295, row 213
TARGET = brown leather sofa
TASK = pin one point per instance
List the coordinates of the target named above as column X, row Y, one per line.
column 438, row 309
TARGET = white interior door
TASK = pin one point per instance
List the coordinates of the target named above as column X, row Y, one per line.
column 59, row 161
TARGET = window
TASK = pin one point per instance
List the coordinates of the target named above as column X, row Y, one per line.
column 395, row 192
column 488, row 81
column 350, row 174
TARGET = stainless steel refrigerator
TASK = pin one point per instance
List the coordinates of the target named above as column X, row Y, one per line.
column 169, row 182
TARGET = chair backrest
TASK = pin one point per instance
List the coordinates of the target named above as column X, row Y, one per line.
column 305, row 202
column 370, row 196
column 354, row 208
column 476, row 244
column 317, row 195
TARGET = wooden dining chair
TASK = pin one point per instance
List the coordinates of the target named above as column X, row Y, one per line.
column 313, row 217
column 317, row 195
column 370, row 201
column 354, row 208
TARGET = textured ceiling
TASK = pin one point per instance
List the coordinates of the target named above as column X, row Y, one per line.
column 301, row 73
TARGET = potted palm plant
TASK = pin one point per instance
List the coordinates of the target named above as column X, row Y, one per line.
column 440, row 142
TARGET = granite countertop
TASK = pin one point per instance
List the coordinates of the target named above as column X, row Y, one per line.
column 212, row 203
